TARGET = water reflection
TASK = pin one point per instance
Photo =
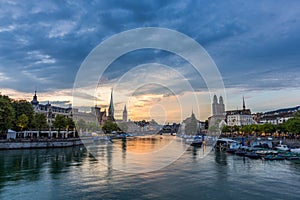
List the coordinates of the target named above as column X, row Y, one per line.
column 143, row 145
column 74, row 173
column 139, row 154
column 220, row 157
column 18, row 165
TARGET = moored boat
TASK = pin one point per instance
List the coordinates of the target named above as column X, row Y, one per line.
column 295, row 150
column 196, row 143
column 223, row 144
column 282, row 147
column 253, row 155
column 240, row 152
column 267, row 152
column 231, row 150
column 273, row 157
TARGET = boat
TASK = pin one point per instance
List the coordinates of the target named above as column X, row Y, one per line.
column 121, row 136
column 223, row 144
column 262, row 144
column 273, row 157
column 233, row 147
column 291, row 156
column 295, row 150
column 230, row 150
column 253, row 155
column 196, row 143
column 282, row 147
column 267, row 152
column 240, row 152
column 101, row 139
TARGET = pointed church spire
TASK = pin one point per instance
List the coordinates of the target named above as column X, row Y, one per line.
column 192, row 115
column 111, row 110
column 125, row 114
column 244, row 106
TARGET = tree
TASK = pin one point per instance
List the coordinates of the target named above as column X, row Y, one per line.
column 268, row 128
column 293, row 125
column 70, row 125
column 110, row 126
column 236, row 128
column 281, row 128
column 246, row 129
column 22, row 122
column 297, row 114
column 226, row 129
column 254, row 128
column 6, row 114
column 23, row 107
column 39, row 121
column 59, row 122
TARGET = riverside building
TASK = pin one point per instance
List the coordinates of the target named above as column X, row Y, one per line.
column 239, row 117
column 50, row 111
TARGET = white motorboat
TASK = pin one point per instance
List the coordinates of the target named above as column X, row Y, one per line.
column 223, row 143
column 282, row 147
column 296, row 150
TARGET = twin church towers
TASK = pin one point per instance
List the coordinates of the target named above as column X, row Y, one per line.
column 218, row 108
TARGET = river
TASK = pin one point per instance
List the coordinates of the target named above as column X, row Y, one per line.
column 73, row 173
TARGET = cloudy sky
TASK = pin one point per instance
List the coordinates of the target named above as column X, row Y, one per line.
column 254, row 44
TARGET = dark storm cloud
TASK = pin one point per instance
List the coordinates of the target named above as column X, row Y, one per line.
column 255, row 44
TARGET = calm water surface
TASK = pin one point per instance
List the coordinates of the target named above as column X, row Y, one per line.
column 72, row 173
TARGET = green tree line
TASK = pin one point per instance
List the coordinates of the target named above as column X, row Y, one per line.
column 19, row 115
column 291, row 126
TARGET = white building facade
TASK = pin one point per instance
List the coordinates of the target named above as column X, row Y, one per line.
column 239, row 120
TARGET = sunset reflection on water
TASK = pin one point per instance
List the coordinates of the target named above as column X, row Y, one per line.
column 145, row 144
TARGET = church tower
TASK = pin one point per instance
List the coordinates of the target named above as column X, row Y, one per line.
column 215, row 106
column 35, row 101
column 221, row 106
column 244, row 105
column 218, row 108
column 111, row 110
column 125, row 114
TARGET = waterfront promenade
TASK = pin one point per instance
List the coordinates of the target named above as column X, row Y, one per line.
column 39, row 143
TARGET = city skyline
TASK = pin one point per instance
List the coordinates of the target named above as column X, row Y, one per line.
column 46, row 45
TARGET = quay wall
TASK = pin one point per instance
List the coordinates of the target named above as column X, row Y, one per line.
column 31, row 144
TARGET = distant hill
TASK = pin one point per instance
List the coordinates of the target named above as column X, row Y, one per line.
column 284, row 110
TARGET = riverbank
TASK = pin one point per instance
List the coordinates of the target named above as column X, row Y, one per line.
column 288, row 141
column 39, row 143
